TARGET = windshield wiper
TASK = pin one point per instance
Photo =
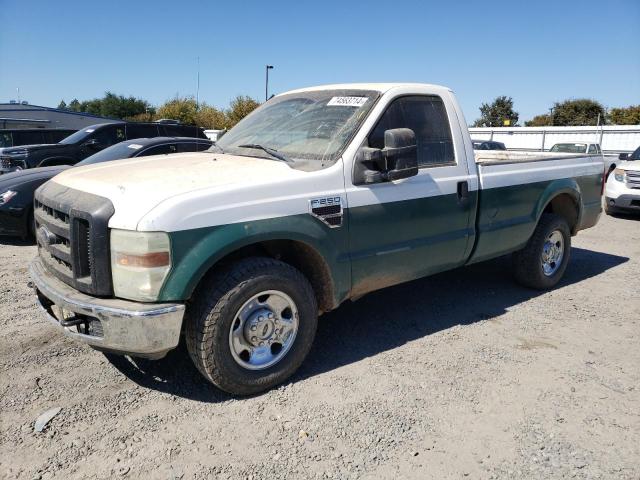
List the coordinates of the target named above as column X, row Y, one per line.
column 271, row 151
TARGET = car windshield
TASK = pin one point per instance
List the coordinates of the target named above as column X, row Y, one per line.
column 569, row 147
column 78, row 137
column 635, row 155
column 310, row 128
column 115, row 152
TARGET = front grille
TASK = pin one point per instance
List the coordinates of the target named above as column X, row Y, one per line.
column 72, row 236
column 8, row 163
column 633, row 179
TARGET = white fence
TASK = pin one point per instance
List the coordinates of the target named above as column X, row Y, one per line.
column 612, row 139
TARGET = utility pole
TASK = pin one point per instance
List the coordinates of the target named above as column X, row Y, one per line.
column 266, row 84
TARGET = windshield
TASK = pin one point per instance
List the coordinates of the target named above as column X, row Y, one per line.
column 79, row 136
column 311, row 127
column 569, row 147
column 115, row 152
column 635, row 155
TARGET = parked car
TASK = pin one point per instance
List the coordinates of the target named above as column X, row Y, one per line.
column 487, row 145
column 622, row 192
column 87, row 142
column 31, row 136
column 593, row 148
column 318, row 196
column 17, row 188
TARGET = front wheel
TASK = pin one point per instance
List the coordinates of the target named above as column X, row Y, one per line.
column 251, row 325
column 542, row 262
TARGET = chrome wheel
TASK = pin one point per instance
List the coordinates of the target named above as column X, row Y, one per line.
column 552, row 253
column 263, row 330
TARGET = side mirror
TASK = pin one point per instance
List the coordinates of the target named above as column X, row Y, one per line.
column 93, row 143
column 398, row 159
column 623, row 156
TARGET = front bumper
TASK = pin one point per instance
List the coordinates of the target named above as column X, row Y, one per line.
column 120, row 326
column 629, row 203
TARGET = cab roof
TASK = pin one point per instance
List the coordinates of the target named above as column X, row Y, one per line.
column 379, row 87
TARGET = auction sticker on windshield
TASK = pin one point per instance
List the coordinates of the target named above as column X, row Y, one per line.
column 135, row 146
column 347, row 101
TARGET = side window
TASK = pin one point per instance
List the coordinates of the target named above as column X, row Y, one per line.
column 110, row 135
column 598, row 149
column 193, row 146
column 427, row 117
column 28, row 138
column 160, row 150
column 592, row 149
column 141, row 131
column 181, row 131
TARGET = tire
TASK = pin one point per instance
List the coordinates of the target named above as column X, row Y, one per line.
column 528, row 263
column 216, row 308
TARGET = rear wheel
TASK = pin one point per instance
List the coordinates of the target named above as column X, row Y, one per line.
column 543, row 261
column 251, row 325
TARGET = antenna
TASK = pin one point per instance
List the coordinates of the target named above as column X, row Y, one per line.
column 198, row 86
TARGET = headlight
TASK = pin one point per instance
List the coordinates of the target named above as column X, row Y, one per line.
column 140, row 262
column 19, row 153
column 6, row 196
column 618, row 174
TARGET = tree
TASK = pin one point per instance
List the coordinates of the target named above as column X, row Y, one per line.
column 62, row 105
column 539, row 121
column 496, row 113
column 624, row 116
column 579, row 112
column 211, row 118
column 183, row 109
column 74, row 105
column 240, row 107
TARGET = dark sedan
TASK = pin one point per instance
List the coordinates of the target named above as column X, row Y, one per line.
column 17, row 188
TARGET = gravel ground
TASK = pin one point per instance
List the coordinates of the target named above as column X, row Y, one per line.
column 461, row 375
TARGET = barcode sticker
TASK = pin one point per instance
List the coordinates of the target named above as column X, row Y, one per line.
column 135, row 146
column 348, row 101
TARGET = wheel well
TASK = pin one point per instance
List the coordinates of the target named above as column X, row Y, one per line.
column 612, row 167
column 300, row 256
column 565, row 206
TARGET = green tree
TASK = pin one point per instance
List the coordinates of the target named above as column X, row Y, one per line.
column 74, row 105
column 62, row 105
column 498, row 113
column 183, row 109
column 624, row 115
column 211, row 118
column 582, row 111
column 539, row 121
column 240, row 107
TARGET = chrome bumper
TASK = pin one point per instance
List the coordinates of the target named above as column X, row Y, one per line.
column 120, row 326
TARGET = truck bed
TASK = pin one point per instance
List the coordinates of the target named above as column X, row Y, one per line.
column 515, row 186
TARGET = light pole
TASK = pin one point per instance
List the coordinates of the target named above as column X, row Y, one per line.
column 266, row 84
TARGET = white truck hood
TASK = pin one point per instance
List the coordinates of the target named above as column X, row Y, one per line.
column 137, row 186
column 633, row 165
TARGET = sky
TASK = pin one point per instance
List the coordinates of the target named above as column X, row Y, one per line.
column 536, row 52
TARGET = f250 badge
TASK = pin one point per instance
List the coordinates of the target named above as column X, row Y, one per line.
column 328, row 210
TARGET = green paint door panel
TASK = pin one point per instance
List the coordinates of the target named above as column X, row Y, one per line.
column 396, row 242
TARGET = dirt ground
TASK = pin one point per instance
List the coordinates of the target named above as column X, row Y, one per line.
column 461, row 375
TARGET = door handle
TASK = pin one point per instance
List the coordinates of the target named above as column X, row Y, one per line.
column 463, row 193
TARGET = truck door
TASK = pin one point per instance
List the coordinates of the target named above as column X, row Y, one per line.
column 402, row 230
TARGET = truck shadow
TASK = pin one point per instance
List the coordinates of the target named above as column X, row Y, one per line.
column 381, row 321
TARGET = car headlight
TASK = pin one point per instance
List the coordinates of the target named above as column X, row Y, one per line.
column 618, row 174
column 18, row 153
column 140, row 262
column 6, row 196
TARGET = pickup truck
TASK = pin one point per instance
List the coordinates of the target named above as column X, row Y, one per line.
column 319, row 196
